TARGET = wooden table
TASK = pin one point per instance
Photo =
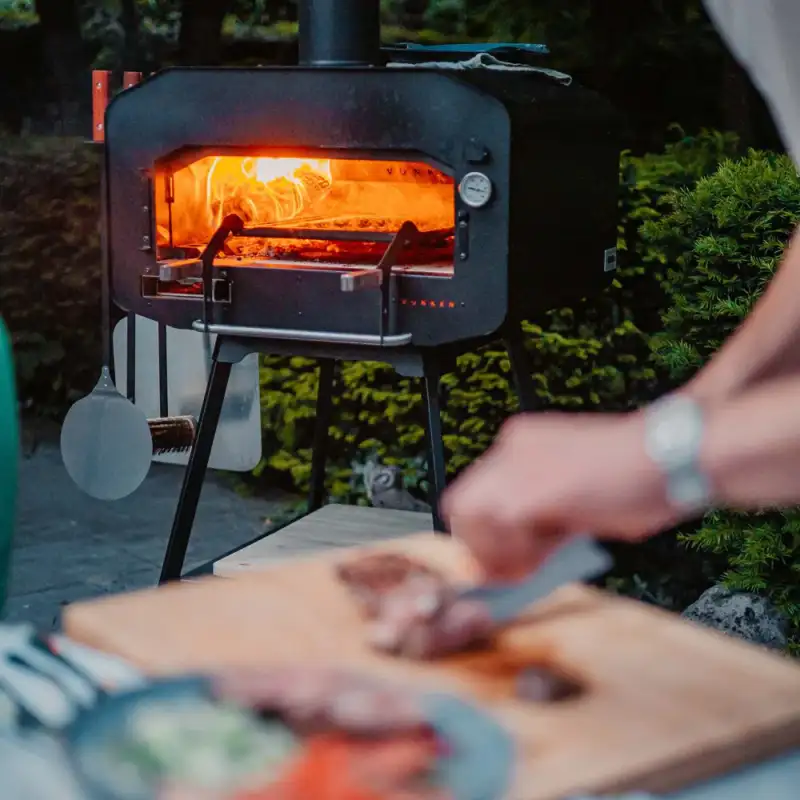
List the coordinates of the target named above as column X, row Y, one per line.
column 650, row 717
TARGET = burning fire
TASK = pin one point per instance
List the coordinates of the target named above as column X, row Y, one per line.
column 337, row 194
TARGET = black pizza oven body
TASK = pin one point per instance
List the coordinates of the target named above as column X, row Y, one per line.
column 550, row 151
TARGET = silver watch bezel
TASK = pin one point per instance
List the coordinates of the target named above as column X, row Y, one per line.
column 674, row 433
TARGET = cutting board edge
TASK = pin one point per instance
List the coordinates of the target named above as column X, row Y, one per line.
column 713, row 763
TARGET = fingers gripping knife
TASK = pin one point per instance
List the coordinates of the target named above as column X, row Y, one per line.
column 580, row 559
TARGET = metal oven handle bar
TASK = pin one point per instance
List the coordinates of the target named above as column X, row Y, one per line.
column 233, row 225
column 325, row 234
column 406, row 235
column 322, row 337
column 320, row 234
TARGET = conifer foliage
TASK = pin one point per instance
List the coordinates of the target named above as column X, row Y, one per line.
column 723, row 241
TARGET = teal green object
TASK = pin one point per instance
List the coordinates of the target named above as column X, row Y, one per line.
column 9, row 458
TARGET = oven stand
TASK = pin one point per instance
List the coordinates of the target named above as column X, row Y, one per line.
column 195, row 473
column 426, row 363
column 522, row 370
column 230, row 350
column 322, row 424
column 437, row 467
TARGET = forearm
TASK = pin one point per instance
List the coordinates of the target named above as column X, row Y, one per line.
column 767, row 345
column 751, row 450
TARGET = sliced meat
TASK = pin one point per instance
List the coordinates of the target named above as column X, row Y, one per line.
column 542, row 685
column 417, row 625
column 311, row 699
column 371, row 578
column 414, row 611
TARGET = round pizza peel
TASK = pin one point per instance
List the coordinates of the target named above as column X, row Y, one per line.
column 106, row 444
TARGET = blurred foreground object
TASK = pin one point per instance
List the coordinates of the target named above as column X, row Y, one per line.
column 35, row 767
column 763, row 37
column 9, row 457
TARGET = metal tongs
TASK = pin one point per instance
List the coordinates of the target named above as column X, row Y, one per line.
column 50, row 680
column 581, row 559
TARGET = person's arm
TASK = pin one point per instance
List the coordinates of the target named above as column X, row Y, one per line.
column 767, row 345
column 751, row 448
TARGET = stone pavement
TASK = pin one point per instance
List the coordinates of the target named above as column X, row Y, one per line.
column 68, row 546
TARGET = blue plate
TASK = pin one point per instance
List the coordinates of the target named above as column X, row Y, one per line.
column 478, row 764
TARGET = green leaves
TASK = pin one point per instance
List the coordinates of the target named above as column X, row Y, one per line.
column 762, row 550
column 50, row 267
column 379, row 413
column 723, row 241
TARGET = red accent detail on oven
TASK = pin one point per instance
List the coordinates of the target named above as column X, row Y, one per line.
column 100, row 98
column 428, row 303
column 130, row 79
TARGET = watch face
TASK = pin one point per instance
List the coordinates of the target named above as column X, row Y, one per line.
column 675, row 433
column 475, row 189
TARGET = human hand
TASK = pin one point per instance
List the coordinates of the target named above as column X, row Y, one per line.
column 549, row 476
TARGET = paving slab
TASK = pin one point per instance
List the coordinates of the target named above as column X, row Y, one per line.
column 68, row 546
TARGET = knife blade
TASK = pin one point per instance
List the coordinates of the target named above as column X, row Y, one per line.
column 580, row 559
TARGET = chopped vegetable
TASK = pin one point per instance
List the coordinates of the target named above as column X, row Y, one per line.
column 341, row 767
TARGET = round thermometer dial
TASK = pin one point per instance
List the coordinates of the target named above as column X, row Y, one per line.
column 476, row 189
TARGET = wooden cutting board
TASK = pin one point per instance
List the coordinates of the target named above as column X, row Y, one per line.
column 668, row 704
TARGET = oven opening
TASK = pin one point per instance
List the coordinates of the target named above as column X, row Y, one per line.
column 335, row 200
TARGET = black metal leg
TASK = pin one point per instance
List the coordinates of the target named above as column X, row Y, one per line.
column 433, row 427
column 522, row 372
column 130, row 391
column 319, row 454
column 175, row 555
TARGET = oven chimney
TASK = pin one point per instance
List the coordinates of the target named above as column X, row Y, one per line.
column 342, row 33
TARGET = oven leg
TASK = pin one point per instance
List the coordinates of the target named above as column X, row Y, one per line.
column 433, row 427
column 175, row 555
column 522, row 371
column 322, row 424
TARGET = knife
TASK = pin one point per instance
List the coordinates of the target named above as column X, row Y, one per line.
column 581, row 559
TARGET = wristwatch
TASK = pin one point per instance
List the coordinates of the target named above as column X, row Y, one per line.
column 674, row 428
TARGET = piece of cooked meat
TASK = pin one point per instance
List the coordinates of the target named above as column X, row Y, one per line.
column 419, row 622
column 414, row 611
column 314, row 699
column 543, row 685
column 371, row 578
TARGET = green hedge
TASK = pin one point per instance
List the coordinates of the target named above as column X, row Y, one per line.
column 377, row 412
column 723, row 241
column 50, row 267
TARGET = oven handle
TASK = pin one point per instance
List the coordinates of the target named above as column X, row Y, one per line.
column 322, row 337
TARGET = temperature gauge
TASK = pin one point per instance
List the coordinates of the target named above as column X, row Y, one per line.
column 475, row 189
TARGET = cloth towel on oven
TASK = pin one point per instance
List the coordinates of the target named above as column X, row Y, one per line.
column 485, row 61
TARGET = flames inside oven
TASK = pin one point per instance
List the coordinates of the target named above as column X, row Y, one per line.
column 342, row 194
